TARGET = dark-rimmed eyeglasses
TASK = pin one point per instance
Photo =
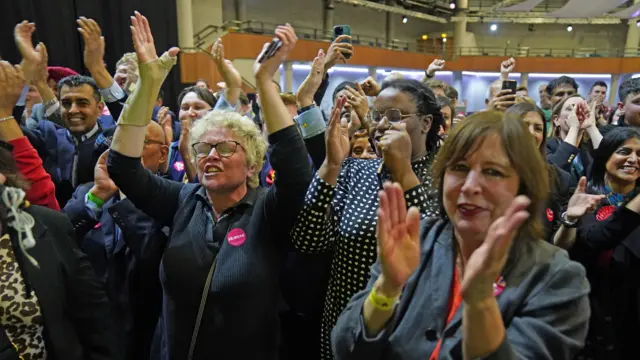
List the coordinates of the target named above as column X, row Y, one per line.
column 224, row 148
column 392, row 115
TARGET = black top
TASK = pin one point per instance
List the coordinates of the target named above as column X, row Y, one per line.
column 77, row 322
column 240, row 320
column 562, row 186
column 608, row 245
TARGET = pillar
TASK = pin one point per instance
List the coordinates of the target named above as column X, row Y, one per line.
column 457, row 83
column 241, row 10
column 460, row 27
column 524, row 80
column 288, row 77
column 185, row 23
column 633, row 37
column 389, row 25
column 613, row 90
column 373, row 71
column 327, row 17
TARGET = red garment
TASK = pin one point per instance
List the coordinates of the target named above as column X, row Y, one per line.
column 454, row 303
column 42, row 191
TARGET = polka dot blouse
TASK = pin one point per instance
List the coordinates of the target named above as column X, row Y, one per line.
column 343, row 218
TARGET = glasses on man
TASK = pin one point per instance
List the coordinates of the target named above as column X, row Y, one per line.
column 151, row 141
column 392, row 115
column 223, row 148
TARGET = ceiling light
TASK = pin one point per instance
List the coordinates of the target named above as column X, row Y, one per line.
column 404, row 19
column 569, row 28
column 452, row 5
column 494, row 27
column 444, row 35
column 444, row 40
column 425, row 37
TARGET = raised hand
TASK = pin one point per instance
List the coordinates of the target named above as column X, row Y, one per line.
column 229, row 73
column 268, row 67
column 336, row 136
column 507, row 66
column 166, row 122
column 581, row 202
column 34, row 60
column 370, row 86
column 358, row 101
column 589, row 114
column 306, row 91
column 103, row 187
column 11, row 84
column 486, row 263
column 93, row 43
column 435, row 65
column 143, row 40
column 337, row 52
column 398, row 238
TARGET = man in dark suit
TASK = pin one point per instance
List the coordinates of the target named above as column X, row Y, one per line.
column 124, row 246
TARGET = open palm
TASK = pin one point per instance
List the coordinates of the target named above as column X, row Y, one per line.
column 22, row 35
column 581, row 202
column 398, row 236
column 336, row 136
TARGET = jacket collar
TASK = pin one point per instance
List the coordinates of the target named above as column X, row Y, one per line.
column 249, row 198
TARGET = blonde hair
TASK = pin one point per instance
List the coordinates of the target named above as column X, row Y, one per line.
column 130, row 60
column 244, row 131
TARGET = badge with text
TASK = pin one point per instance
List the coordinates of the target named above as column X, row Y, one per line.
column 499, row 286
column 550, row 215
column 236, row 237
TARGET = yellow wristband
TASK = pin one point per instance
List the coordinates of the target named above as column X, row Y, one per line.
column 382, row 302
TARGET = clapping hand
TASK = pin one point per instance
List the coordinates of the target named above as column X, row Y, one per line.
column 11, row 84
column 229, row 73
column 103, row 187
column 336, row 136
column 34, row 60
column 486, row 263
column 268, row 67
column 357, row 100
column 581, row 202
column 504, row 99
column 93, row 43
column 398, row 238
column 435, row 65
column 306, row 91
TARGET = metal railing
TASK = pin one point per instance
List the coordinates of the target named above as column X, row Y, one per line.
column 435, row 48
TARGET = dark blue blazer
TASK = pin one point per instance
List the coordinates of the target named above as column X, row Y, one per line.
column 127, row 264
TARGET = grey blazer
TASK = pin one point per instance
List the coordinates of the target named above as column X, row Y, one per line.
column 544, row 306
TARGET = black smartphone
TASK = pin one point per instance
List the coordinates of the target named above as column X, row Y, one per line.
column 274, row 46
column 339, row 30
column 510, row 85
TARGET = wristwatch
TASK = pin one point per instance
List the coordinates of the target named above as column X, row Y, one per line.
column 568, row 224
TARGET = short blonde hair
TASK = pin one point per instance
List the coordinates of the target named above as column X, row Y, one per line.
column 244, row 131
column 129, row 59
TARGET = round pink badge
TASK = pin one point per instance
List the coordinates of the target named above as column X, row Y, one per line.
column 236, row 237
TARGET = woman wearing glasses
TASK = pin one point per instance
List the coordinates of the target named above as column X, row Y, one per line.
column 340, row 209
column 219, row 272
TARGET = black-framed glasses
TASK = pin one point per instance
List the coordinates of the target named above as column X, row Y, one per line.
column 223, row 148
column 392, row 115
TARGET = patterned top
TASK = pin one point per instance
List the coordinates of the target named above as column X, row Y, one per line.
column 20, row 317
column 343, row 218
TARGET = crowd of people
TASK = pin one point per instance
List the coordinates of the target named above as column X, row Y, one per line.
column 393, row 228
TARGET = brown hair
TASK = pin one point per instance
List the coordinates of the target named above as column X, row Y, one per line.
column 519, row 146
column 556, row 112
column 288, row 98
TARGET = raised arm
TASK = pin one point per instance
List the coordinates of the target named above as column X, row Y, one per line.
column 155, row 196
column 579, row 204
column 42, row 189
column 34, row 64
column 229, row 73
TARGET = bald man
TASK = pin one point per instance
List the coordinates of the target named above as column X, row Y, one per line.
column 124, row 247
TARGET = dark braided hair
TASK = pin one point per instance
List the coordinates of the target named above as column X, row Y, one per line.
column 426, row 104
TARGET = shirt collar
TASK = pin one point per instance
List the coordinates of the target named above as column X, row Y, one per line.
column 249, row 198
column 88, row 135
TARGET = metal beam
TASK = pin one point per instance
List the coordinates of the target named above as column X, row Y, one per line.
column 533, row 18
column 394, row 10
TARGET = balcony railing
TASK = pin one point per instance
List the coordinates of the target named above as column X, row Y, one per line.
column 432, row 47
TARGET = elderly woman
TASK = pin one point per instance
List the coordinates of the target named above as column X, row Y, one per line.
column 478, row 282
column 339, row 213
column 227, row 309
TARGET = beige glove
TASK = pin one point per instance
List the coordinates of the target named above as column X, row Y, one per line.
column 139, row 106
